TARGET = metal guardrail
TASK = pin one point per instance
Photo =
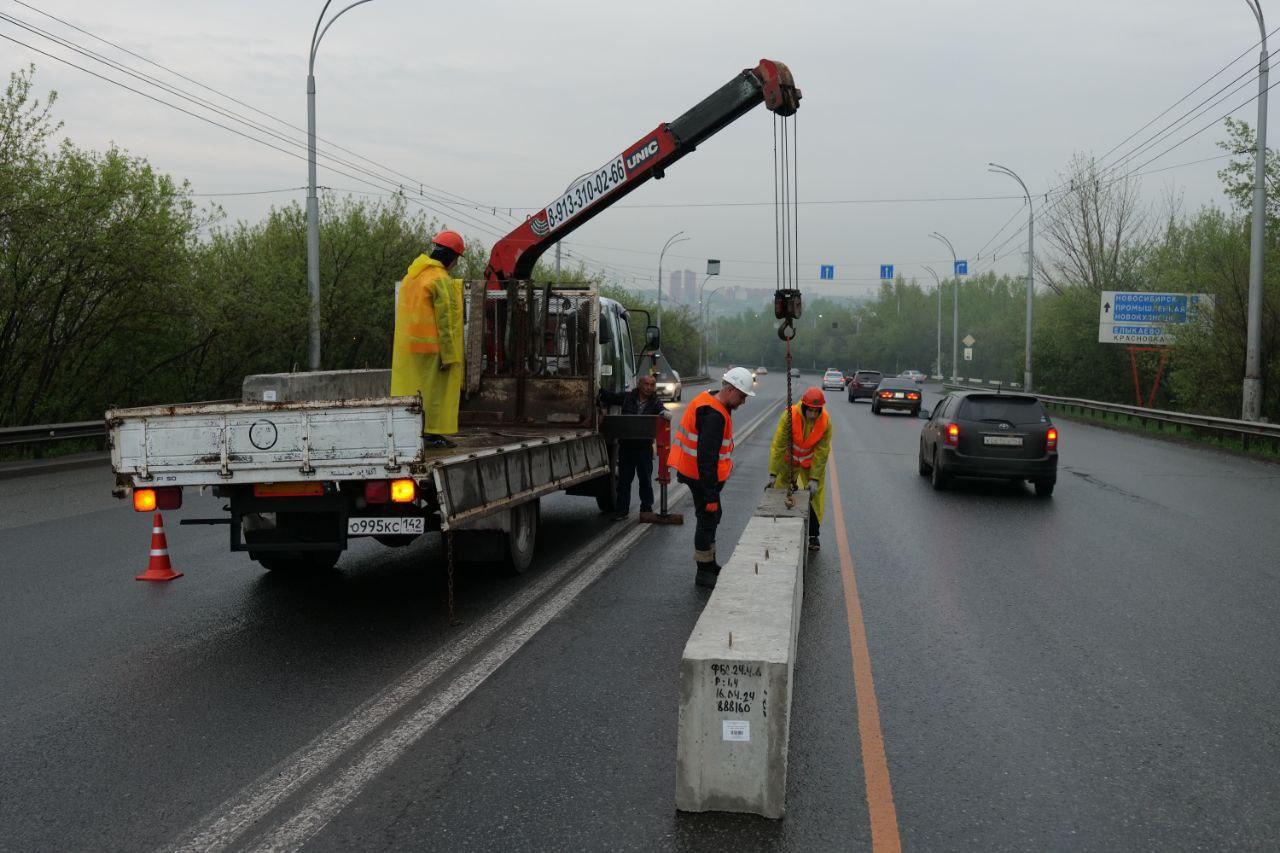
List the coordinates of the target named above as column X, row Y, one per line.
column 1245, row 431
column 39, row 433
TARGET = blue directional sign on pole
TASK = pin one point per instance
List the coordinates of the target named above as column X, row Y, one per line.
column 826, row 272
column 1147, row 318
column 962, row 267
column 886, row 272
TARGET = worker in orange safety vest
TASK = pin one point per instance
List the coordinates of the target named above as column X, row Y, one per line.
column 702, row 454
column 801, row 445
column 426, row 355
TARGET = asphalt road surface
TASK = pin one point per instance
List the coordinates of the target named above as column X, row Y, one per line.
column 1093, row 671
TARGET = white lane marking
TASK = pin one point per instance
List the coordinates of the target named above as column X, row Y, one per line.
column 225, row 825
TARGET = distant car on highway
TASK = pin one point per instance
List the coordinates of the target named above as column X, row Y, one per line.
column 762, row 370
column 832, row 380
column 981, row 434
column 913, row 375
column 864, row 384
column 897, row 392
column 795, row 373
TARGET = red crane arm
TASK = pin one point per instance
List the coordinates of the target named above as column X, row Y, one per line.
column 515, row 254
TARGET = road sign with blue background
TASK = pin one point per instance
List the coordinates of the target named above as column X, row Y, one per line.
column 886, row 271
column 1126, row 317
column 962, row 267
column 826, row 272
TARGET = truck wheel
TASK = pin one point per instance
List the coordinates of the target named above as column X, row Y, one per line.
column 522, row 538
column 299, row 527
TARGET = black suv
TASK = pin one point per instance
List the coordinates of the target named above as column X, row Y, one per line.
column 863, row 384
column 981, row 434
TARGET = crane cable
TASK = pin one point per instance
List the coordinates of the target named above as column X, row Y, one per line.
column 786, row 300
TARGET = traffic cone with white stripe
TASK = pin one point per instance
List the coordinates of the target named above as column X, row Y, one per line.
column 158, row 568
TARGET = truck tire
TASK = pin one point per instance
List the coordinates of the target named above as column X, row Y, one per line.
column 302, row 528
column 522, row 538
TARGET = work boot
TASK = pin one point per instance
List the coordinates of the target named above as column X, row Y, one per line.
column 814, row 545
column 438, row 442
column 708, row 573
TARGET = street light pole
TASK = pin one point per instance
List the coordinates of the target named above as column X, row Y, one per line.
column 704, row 309
column 313, row 203
column 713, row 268
column 1031, row 282
column 955, row 311
column 671, row 241
column 1251, row 408
column 938, row 284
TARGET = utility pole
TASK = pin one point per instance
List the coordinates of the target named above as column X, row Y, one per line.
column 313, row 203
column 1031, row 284
column 1251, row 408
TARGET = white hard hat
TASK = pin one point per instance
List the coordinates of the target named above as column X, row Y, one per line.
column 740, row 378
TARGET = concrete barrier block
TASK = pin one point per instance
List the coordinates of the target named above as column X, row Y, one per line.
column 737, row 669
column 315, row 385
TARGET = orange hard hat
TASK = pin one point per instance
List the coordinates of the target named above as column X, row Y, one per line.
column 814, row 398
column 450, row 240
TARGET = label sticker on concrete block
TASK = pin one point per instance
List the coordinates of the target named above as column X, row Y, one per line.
column 269, row 395
column 736, row 729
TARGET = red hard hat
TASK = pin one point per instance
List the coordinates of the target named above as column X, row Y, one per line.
column 450, row 240
column 814, row 398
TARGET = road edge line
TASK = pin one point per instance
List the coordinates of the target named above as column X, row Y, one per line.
column 885, row 835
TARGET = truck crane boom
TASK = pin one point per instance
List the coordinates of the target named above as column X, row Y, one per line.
column 769, row 83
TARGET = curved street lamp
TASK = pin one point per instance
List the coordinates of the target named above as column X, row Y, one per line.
column 313, row 204
column 955, row 312
column 938, row 285
column 671, row 241
column 1031, row 285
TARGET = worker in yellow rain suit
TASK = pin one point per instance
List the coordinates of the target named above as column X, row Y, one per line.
column 810, row 445
column 426, row 355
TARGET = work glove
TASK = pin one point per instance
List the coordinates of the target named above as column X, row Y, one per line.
column 713, row 506
column 773, row 479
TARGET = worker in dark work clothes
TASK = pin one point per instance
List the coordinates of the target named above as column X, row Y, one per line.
column 635, row 456
column 702, row 454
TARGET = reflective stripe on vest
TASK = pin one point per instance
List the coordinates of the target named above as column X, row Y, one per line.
column 802, row 449
column 684, row 446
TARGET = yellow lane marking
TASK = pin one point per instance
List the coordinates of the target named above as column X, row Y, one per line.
column 875, row 766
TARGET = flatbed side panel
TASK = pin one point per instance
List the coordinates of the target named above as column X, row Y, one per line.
column 478, row 485
column 251, row 444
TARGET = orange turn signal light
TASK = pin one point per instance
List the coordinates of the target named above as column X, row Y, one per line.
column 144, row 500
column 403, row 491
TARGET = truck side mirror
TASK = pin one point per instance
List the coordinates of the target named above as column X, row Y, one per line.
column 652, row 337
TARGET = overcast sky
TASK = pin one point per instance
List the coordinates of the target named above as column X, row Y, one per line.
column 504, row 103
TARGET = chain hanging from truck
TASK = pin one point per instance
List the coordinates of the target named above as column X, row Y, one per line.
column 787, row 301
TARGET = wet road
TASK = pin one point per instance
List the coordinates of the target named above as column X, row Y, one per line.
column 1093, row 671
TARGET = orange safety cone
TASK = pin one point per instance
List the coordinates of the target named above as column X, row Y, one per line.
column 158, row 568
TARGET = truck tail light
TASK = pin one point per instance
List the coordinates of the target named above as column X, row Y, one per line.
column 165, row 497
column 1051, row 440
column 953, row 435
column 403, row 491
column 377, row 492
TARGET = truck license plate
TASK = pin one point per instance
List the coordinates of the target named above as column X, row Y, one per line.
column 404, row 526
column 1005, row 440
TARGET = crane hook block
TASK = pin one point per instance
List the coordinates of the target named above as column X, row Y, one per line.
column 787, row 330
column 787, row 304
